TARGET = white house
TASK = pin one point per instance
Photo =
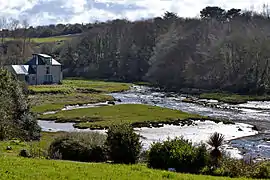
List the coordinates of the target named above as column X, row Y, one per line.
column 41, row 69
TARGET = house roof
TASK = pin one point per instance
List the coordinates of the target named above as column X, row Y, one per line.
column 20, row 69
column 44, row 55
column 35, row 61
column 56, row 63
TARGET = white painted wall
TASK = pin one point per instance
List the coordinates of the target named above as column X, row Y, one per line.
column 55, row 71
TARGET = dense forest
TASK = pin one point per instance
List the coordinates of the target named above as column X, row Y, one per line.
column 221, row 50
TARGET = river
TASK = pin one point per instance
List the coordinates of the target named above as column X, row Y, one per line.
column 241, row 139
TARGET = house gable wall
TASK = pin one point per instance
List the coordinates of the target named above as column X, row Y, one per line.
column 55, row 71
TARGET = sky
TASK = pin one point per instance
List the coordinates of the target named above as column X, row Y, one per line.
column 44, row 12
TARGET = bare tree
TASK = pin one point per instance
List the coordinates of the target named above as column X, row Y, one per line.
column 25, row 26
column 13, row 26
column 266, row 10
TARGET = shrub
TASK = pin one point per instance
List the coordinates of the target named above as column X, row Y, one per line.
column 216, row 140
column 24, row 153
column 30, row 130
column 123, row 144
column 239, row 168
column 262, row 171
column 85, row 147
column 179, row 154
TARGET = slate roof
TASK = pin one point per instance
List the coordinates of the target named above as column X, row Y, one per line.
column 34, row 61
column 27, row 68
column 20, row 69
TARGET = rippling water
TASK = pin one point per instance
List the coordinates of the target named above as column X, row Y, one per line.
column 244, row 112
column 256, row 113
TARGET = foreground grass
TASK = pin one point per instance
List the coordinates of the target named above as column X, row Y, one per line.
column 102, row 117
column 72, row 92
column 33, row 147
column 15, row 168
column 234, row 98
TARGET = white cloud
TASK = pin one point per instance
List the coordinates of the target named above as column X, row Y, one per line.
column 39, row 12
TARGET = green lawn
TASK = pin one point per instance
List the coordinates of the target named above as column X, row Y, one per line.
column 15, row 168
column 72, row 92
column 234, row 98
column 103, row 117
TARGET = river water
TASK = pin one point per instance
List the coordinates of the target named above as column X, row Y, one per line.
column 253, row 145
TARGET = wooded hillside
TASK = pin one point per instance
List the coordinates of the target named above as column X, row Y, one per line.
column 222, row 50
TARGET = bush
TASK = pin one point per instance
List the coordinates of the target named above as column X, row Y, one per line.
column 262, row 171
column 30, row 130
column 239, row 168
column 16, row 120
column 123, row 144
column 179, row 154
column 24, row 153
column 85, row 147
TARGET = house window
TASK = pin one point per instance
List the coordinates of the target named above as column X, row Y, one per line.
column 47, row 70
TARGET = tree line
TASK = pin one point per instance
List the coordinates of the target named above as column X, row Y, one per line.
column 223, row 50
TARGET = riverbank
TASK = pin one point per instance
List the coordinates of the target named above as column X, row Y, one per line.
column 233, row 98
column 45, row 98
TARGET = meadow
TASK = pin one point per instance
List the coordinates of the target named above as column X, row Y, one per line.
column 44, row 40
column 45, row 98
column 102, row 117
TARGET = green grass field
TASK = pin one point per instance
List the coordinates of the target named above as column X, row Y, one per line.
column 45, row 98
column 15, row 168
column 103, row 117
column 34, row 146
column 97, row 86
column 44, row 102
column 233, row 98
column 71, row 86
column 43, row 40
